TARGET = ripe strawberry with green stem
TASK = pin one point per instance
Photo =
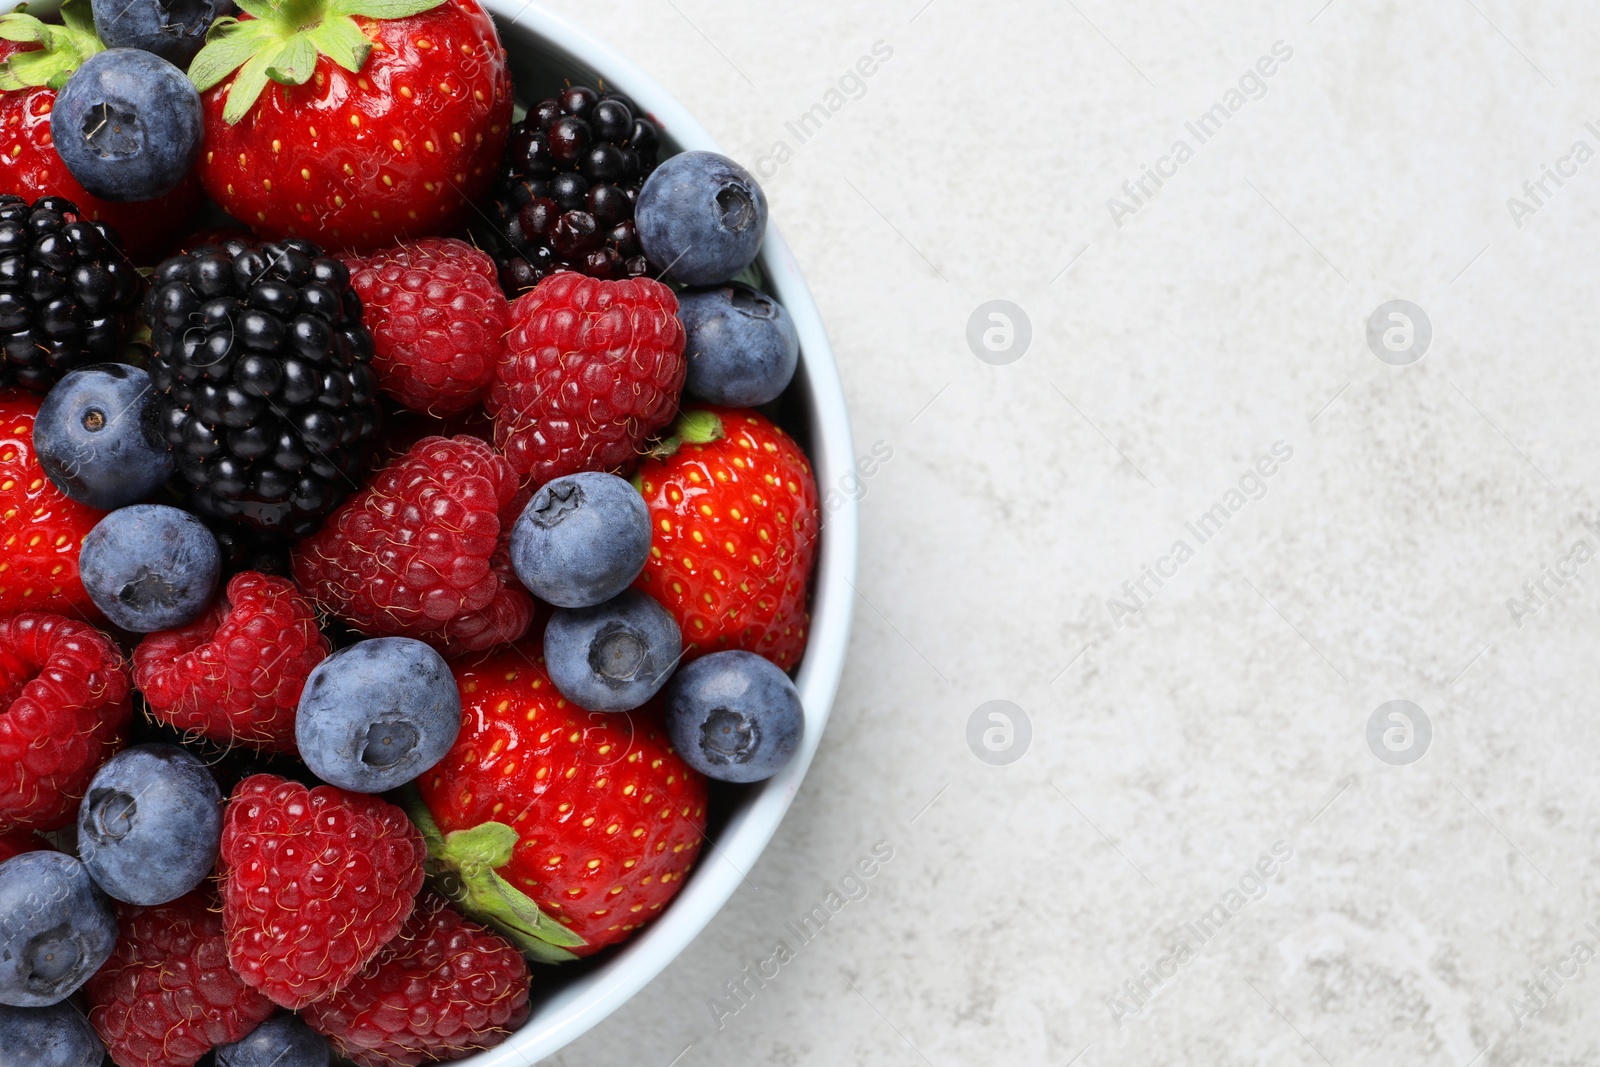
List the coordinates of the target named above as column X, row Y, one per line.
column 36, row 58
column 352, row 122
column 734, row 521
column 565, row 830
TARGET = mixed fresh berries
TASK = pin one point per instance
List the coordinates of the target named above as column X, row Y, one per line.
column 572, row 174
column 373, row 612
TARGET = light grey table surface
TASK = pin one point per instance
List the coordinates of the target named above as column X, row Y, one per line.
column 1181, row 731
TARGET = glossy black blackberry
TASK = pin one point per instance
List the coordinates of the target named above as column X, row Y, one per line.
column 67, row 293
column 268, row 395
column 571, row 174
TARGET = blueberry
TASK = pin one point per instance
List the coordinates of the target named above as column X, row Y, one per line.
column 172, row 29
column 98, row 438
column 150, row 825
column 742, row 346
column 701, row 217
column 614, row 656
column 377, row 714
column 281, row 1041
column 57, row 1036
column 581, row 540
column 734, row 716
column 56, row 928
column 127, row 125
column 150, row 567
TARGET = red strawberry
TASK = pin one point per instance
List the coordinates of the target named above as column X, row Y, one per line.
column 314, row 883
column 374, row 127
column 592, row 370
column 166, row 996
column 235, row 674
column 421, row 552
column 443, row 989
column 41, row 530
column 29, row 165
column 66, row 693
column 545, row 810
column 438, row 321
column 733, row 507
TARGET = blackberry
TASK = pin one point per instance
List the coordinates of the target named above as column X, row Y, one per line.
column 67, row 292
column 571, row 173
column 264, row 371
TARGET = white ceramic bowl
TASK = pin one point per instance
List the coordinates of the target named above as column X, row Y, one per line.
column 545, row 51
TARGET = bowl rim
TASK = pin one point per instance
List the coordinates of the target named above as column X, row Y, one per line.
column 564, row 1015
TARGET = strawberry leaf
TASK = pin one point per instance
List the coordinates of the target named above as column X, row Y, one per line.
column 293, row 62
column 694, row 427
column 341, row 40
column 246, row 87
column 230, row 45
column 482, row 848
column 78, row 17
column 261, row 9
column 24, row 28
column 382, row 9
column 461, row 868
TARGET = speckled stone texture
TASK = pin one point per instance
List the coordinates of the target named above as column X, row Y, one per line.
column 1176, row 341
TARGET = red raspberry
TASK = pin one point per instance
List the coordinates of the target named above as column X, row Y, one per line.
column 235, row 674
column 66, row 691
column 438, row 321
column 421, row 551
column 166, row 995
column 314, row 883
column 592, row 370
column 445, row 988
column 16, row 842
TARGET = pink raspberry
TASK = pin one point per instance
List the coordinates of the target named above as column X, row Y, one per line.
column 438, row 321
column 421, row 552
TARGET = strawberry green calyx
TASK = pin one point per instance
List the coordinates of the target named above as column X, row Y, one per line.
column 281, row 41
column 63, row 48
column 461, row 867
column 693, row 427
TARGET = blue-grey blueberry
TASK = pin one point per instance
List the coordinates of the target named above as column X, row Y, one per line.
column 57, row 1036
column 581, row 540
column 613, row 656
column 127, row 124
column 700, row 218
column 98, row 439
column 741, row 347
column 150, row 825
column 377, row 714
column 734, row 716
column 56, row 928
column 150, row 567
column 172, row 29
column 281, row 1041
